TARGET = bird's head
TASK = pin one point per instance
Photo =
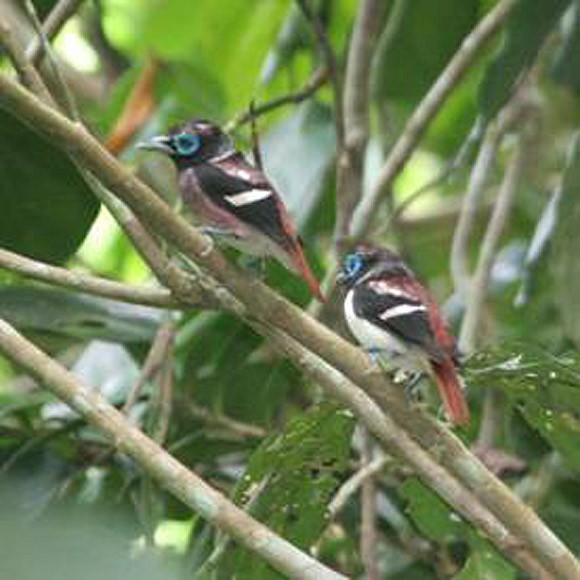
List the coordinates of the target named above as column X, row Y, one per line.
column 367, row 257
column 193, row 142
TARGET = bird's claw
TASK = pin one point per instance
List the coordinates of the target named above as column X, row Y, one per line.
column 214, row 232
column 411, row 388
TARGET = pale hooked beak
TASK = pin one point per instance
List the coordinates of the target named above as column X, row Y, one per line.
column 159, row 143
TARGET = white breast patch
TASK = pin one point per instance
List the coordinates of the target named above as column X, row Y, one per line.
column 247, row 197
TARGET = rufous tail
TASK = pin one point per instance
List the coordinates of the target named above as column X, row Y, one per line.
column 451, row 392
column 302, row 267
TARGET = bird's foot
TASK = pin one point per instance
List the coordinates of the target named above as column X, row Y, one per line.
column 216, row 233
column 411, row 387
column 256, row 265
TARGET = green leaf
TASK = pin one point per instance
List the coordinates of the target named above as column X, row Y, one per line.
column 544, row 387
column 485, row 563
column 289, row 481
column 527, row 27
column 47, row 209
column 431, row 514
column 413, row 50
column 76, row 315
column 566, row 248
column 230, row 40
column 566, row 66
column 297, row 153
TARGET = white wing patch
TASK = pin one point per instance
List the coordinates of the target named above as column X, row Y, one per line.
column 402, row 310
column 383, row 287
column 247, row 197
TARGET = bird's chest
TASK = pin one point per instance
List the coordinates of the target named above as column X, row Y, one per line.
column 203, row 207
column 368, row 334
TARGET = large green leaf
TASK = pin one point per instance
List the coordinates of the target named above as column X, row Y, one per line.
column 566, row 248
column 64, row 313
column 297, row 152
column 485, row 563
column 47, row 208
column 431, row 514
column 544, row 387
column 229, row 39
column 527, row 27
column 289, row 481
column 421, row 37
column 439, row 523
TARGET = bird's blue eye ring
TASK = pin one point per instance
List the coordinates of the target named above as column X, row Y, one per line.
column 186, row 143
column 352, row 264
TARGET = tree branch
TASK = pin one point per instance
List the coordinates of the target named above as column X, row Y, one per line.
column 459, row 259
column 28, row 75
column 368, row 518
column 268, row 310
column 158, row 297
column 356, row 114
column 155, row 461
column 354, row 482
column 57, row 18
column 479, row 284
column 425, row 112
column 315, row 82
column 330, row 58
column 224, row 422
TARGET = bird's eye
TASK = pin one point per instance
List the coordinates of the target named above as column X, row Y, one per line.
column 353, row 264
column 186, row 143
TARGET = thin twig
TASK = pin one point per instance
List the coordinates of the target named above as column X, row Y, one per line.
column 368, row 530
column 459, row 259
column 356, row 114
column 27, row 74
column 351, row 486
column 316, row 81
column 62, row 93
column 223, row 421
column 149, row 296
column 458, row 161
column 164, row 395
column 255, row 137
column 495, row 228
column 425, row 112
column 158, row 352
column 57, row 18
column 329, row 58
column 155, row 461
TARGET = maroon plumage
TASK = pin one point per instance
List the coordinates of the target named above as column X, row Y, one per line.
column 232, row 196
column 388, row 310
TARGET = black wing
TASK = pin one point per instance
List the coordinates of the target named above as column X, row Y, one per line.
column 263, row 214
column 412, row 327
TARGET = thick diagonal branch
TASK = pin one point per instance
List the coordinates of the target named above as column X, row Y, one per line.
column 174, row 476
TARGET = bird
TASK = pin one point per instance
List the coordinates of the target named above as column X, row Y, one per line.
column 390, row 312
column 232, row 197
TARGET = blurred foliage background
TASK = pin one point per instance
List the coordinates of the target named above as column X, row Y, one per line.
column 240, row 417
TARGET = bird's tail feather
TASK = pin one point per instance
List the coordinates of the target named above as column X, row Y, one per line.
column 451, row 392
column 302, row 267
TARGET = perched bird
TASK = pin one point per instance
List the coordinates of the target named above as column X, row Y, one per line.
column 389, row 311
column 231, row 196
